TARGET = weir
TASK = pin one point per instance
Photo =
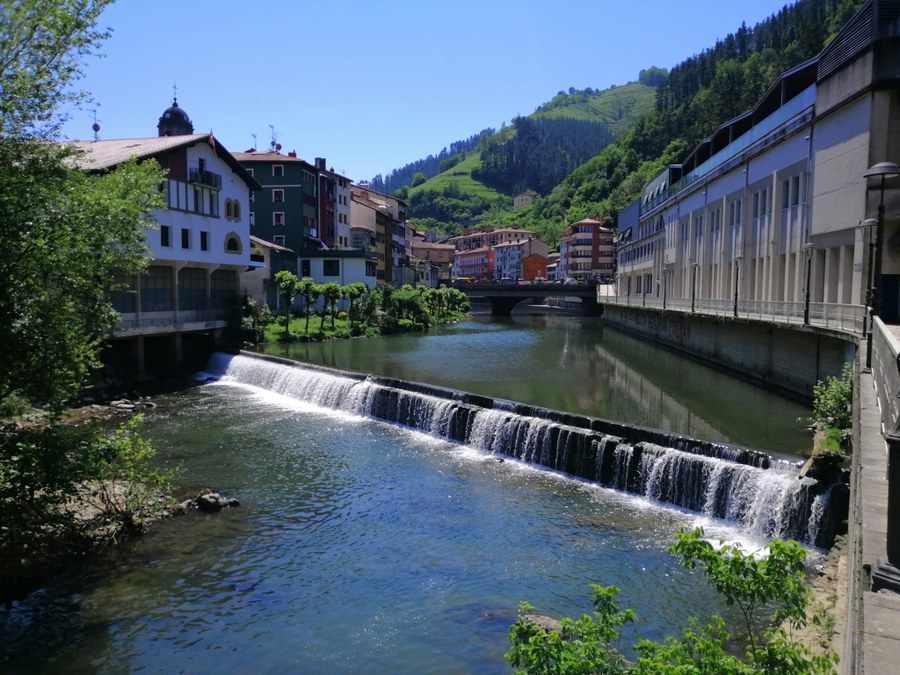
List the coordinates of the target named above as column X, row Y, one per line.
column 765, row 496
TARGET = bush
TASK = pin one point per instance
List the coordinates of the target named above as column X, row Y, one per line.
column 773, row 584
column 833, row 400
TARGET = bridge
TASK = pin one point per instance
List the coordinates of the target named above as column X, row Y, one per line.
column 503, row 297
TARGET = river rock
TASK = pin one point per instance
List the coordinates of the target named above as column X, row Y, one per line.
column 545, row 623
column 211, row 502
column 824, row 467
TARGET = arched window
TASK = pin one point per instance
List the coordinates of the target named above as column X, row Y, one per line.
column 236, row 209
column 228, row 210
column 232, row 243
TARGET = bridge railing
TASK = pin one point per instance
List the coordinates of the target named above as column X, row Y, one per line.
column 847, row 318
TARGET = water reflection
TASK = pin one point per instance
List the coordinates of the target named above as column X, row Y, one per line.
column 579, row 365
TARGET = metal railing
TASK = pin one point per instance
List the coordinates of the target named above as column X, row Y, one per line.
column 847, row 318
column 172, row 319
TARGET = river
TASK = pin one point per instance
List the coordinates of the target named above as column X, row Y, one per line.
column 361, row 547
column 578, row 365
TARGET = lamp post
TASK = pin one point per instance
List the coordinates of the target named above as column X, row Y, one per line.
column 869, row 224
column 694, row 267
column 809, row 247
column 737, row 276
column 884, row 170
column 665, row 287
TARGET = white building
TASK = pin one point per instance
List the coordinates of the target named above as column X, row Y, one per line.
column 201, row 244
column 776, row 196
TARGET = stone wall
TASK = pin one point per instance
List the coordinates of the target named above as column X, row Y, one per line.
column 786, row 359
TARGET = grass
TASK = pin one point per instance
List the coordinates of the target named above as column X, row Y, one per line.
column 460, row 176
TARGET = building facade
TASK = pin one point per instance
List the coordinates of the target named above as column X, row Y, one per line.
column 510, row 257
column 768, row 209
column 587, row 251
column 200, row 246
column 286, row 210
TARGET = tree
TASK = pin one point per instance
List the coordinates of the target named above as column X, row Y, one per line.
column 332, row 293
column 67, row 235
column 287, row 289
column 353, row 293
column 42, row 43
column 418, row 178
column 590, row 644
column 310, row 291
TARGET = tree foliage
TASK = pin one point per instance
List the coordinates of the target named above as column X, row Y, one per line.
column 66, row 236
column 42, row 44
column 591, row 644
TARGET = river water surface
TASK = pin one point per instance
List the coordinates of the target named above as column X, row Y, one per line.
column 365, row 548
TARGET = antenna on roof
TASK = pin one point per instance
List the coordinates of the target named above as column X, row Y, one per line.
column 95, row 126
column 254, row 141
column 274, row 136
column 175, row 92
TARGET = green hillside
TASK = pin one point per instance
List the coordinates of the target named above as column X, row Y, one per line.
column 459, row 179
column 559, row 139
column 619, row 107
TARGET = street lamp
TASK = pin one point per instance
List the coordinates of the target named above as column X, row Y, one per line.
column 884, row 170
column 869, row 224
column 737, row 276
column 809, row 247
column 694, row 267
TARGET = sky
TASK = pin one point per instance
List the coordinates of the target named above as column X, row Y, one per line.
column 374, row 85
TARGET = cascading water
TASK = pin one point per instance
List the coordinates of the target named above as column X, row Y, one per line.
column 765, row 497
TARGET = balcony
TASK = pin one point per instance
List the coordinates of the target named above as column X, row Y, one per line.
column 207, row 178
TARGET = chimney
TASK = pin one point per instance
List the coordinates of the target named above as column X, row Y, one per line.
column 292, row 153
column 320, row 163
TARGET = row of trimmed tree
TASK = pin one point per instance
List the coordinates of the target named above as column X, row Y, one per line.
column 385, row 308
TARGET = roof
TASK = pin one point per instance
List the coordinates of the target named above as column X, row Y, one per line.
column 100, row 155
column 482, row 249
column 433, row 245
column 256, row 241
column 269, row 156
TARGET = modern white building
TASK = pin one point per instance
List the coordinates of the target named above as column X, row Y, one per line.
column 768, row 209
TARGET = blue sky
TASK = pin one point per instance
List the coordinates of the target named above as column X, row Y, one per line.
column 374, row 85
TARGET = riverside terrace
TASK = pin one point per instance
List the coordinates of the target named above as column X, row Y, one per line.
column 503, row 297
column 799, row 334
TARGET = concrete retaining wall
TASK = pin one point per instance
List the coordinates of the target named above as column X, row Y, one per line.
column 787, row 359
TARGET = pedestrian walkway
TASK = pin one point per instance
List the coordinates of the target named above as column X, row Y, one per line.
column 873, row 640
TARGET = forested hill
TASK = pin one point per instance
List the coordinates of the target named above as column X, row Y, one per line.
column 417, row 172
column 698, row 95
column 590, row 118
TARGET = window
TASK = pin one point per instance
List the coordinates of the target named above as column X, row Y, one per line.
column 232, row 244
column 191, row 289
column 185, row 238
column 331, row 268
column 236, row 209
column 204, row 240
column 278, row 219
column 252, row 219
column 213, row 204
column 279, row 239
column 277, row 169
column 198, row 201
column 164, row 234
column 250, row 171
column 157, row 289
column 277, row 196
column 228, row 209
column 305, row 270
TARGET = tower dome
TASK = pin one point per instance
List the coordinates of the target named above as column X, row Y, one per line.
column 175, row 121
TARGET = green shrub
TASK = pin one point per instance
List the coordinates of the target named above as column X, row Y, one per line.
column 772, row 586
column 833, row 400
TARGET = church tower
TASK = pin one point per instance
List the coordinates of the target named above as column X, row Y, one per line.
column 175, row 122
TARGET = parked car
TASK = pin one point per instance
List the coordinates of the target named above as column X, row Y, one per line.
column 507, row 280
